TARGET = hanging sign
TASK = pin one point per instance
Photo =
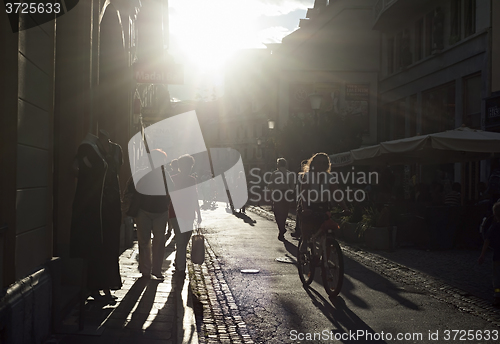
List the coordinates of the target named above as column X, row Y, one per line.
column 159, row 74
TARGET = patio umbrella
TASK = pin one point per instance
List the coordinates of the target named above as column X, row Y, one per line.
column 458, row 145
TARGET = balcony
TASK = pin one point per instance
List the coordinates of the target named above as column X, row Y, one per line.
column 390, row 14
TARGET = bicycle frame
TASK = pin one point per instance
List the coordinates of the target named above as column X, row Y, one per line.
column 322, row 250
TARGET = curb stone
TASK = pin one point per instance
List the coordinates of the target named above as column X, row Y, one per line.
column 218, row 317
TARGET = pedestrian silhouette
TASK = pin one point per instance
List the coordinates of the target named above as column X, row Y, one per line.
column 182, row 213
column 152, row 217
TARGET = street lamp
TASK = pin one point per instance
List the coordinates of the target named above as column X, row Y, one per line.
column 315, row 99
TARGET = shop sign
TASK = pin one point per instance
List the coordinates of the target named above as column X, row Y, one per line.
column 149, row 111
column 357, row 98
column 341, row 159
column 492, row 117
column 166, row 74
column 357, row 92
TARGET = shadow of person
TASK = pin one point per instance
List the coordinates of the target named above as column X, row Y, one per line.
column 291, row 248
column 173, row 310
column 141, row 313
column 247, row 219
column 373, row 281
column 119, row 317
column 345, row 320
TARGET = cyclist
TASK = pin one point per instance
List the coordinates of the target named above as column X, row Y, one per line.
column 317, row 188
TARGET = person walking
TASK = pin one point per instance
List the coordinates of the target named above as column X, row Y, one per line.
column 282, row 186
column 492, row 239
column 298, row 232
column 174, row 169
column 183, row 210
column 241, row 186
column 454, row 198
column 318, row 188
column 96, row 216
column 152, row 217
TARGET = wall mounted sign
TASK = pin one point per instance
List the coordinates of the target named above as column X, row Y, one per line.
column 159, row 74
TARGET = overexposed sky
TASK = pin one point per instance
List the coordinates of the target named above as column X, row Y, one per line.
column 205, row 33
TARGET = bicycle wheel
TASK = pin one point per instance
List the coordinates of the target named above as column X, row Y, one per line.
column 305, row 263
column 332, row 268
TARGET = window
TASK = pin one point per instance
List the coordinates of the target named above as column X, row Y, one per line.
column 381, row 124
column 472, row 99
column 405, row 49
column 386, row 123
column 390, row 55
column 438, row 109
column 469, row 17
column 438, row 30
column 455, row 21
column 413, row 116
column 428, row 33
column 398, row 109
column 397, row 50
column 419, row 40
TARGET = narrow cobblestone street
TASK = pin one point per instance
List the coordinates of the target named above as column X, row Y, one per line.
column 221, row 318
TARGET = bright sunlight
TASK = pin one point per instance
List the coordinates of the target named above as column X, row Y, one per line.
column 206, row 33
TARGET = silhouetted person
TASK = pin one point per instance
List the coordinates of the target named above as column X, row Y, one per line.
column 437, row 197
column 96, row 219
column 152, row 217
column 318, row 188
column 183, row 215
column 453, row 197
column 174, row 169
column 240, row 185
column 298, row 231
column 493, row 191
column 282, row 187
column 492, row 239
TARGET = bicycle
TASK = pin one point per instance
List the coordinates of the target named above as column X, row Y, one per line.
column 322, row 250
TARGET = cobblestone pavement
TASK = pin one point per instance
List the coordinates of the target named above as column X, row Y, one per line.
column 217, row 315
column 449, row 276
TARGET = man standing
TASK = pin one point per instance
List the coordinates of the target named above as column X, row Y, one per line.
column 152, row 217
column 282, row 186
column 96, row 219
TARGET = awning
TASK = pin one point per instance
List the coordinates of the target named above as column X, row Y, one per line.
column 459, row 145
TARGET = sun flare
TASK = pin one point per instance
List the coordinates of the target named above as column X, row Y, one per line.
column 207, row 33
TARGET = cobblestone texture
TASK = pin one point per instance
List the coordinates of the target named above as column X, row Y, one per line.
column 438, row 288
column 217, row 315
column 219, row 319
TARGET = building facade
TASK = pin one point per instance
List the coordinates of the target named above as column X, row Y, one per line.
column 61, row 80
column 436, row 72
column 335, row 53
